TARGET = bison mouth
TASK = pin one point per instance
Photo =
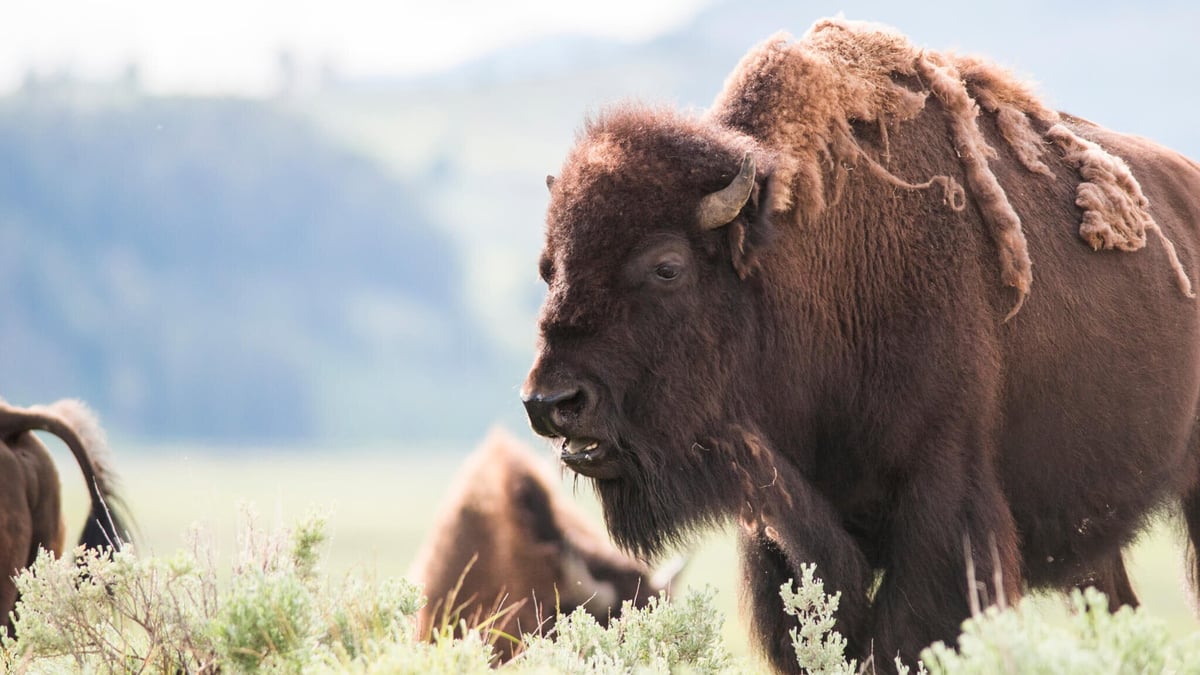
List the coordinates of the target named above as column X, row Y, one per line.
column 589, row 457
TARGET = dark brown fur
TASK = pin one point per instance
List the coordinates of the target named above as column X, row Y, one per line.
column 30, row 493
column 508, row 544
column 904, row 342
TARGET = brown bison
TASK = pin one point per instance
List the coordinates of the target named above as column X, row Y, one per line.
column 508, row 551
column 811, row 310
column 30, row 499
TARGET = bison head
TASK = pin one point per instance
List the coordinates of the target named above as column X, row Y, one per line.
column 649, row 328
column 509, row 550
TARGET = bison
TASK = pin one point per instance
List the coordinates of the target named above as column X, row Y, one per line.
column 30, row 499
column 508, row 552
column 811, row 311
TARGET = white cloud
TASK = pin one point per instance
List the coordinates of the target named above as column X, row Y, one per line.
column 233, row 45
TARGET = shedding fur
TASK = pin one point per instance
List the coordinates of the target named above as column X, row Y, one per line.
column 974, row 152
column 1115, row 212
column 1015, row 106
column 805, row 95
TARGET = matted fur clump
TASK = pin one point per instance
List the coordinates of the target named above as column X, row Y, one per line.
column 805, row 95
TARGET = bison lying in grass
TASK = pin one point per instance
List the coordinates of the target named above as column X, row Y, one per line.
column 30, row 494
column 508, row 551
column 812, row 311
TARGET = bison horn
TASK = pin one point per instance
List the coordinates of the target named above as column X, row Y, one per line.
column 549, row 182
column 721, row 207
column 663, row 577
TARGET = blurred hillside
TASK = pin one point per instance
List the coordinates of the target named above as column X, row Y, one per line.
column 355, row 261
column 217, row 270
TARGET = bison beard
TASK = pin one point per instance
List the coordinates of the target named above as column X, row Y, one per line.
column 858, row 368
column 666, row 494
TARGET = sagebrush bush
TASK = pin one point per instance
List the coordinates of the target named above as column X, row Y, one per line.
column 661, row 637
column 819, row 648
column 127, row 613
column 1090, row 640
column 276, row 613
column 1026, row 639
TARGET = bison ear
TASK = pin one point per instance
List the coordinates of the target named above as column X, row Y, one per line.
column 754, row 227
column 536, row 512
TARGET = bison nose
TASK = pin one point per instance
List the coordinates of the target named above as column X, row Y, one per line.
column 550, row 412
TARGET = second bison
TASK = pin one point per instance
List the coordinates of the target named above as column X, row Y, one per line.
column 509, row 552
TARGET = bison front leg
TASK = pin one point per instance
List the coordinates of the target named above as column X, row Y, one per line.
column 952, row 546
column 1110, row 578
column 771, row 552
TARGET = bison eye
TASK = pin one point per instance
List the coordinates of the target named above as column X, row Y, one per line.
column 666, row 271
column 661, row 266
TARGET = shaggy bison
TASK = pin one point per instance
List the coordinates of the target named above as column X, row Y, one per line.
column 508, row 545
column 813, row 311
column 30, row 500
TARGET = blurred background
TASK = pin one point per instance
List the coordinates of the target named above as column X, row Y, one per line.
column 287, row 249
column 289, row 223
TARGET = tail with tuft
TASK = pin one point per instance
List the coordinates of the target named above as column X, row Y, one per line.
column 76, row 425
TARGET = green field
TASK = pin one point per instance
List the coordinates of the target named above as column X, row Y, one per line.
column 381, row 505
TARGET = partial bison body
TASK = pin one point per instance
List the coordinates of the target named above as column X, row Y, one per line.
column 508, row 551
column 890, row 314
column 30, row 499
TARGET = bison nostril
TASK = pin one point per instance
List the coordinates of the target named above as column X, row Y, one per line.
column 550, row 412
column 571, row 405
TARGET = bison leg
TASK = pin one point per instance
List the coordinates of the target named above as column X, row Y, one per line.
column 770, row 557
column 16, row 532
column 945, row 534
column 1109, row 577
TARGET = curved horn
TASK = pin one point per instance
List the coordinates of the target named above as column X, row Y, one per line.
column 550, row 182
column 721, row 207
column 661, row 579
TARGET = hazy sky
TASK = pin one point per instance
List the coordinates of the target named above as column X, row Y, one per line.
column 233, row 45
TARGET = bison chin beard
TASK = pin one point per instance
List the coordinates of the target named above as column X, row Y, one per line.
column 667, row 493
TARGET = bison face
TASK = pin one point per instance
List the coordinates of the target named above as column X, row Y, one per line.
column 647, row 325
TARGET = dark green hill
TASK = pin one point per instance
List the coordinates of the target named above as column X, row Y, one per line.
column 215, row 269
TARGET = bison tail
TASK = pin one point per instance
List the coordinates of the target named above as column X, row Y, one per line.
column 73, row 422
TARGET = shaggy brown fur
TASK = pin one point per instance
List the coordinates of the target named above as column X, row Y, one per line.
column 508, row 544
column 30, row 500
column 838, row 369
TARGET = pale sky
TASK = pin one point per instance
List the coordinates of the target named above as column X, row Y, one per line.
column 232, row 46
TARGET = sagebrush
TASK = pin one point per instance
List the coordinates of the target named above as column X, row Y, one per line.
column 273, row 611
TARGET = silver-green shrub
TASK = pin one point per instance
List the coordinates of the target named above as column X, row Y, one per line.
column 1090, row 640
column 662, row 637
column 276, row 613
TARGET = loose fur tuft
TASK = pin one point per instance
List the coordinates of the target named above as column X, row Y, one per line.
column 805, row 95
column 1115, row 214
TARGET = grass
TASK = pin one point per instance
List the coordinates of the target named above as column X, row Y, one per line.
column 380, row 506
